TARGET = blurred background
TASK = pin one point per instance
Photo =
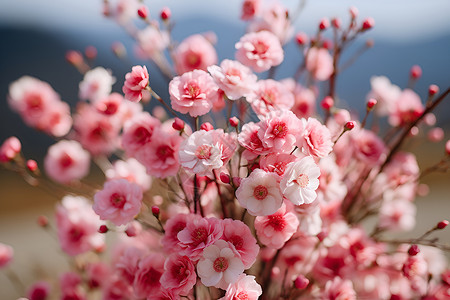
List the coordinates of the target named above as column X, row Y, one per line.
column 35, row 35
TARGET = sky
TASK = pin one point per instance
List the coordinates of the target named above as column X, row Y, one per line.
column 397, row 21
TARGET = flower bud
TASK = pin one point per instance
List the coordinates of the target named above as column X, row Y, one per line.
column 103, row 229
column 415, row 72
column 9, row 149
column 234, row 122
column 32, row 165
column 368, row 23
column 413, row 250
column 324, row 24
column 349, row 125
column 327, row 44
column 178, row 124
column 447, row 147
column 336, row 22
column 354, row 12
column 39, row 291
column 237, row 181
column 207, row 126
column 442, row 224
column 322, row 235
column 301, row 38
column 42, row 221
column 143, row 12
column 155, row 211
column 433, row 89
column 301, row 282
column 225, row 178
column 133, row 229
column 371, row 103
column 165, row 13
column 74, row 57
column 90, row 52
column 327, row 103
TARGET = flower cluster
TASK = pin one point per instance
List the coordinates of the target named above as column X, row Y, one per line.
column 268, row 202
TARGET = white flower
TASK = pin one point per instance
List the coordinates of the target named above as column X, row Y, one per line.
column 219, row 265
column 96, row 83
column 260, row 193
column 300, row 181
column 200, row 154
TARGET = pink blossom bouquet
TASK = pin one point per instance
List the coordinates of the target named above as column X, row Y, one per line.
column 246, row 186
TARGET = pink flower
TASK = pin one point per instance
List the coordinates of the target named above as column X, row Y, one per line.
column 339, row 289
column 273, row 18
column 172, row 227
column 6, row 255
column 127, row 262
column 260, row 193
column 385, row 93
column 9, row 149
column 407, row 108
column 179, row 274
column 245, row 287
column 137, row 132
column 194, row 52
column 198, row 234
column 130, row 170
column 276, row 163
column 98, row 274
column 315, row 139
column 259, row 50
column 278, row 131
column 39, row 291
column 40, row 106
column 300, row 181
column 97, row 83
column 67, row 161
column 235, row 79
column 274, row 230
column 119, row 201
column 77, row 226
column 319, row 63
column 219, row 265
column 98, row 133
column 397, row 214
column 151, row 42
column 250, row 8
column 368, row 147
column 239, row 235
column 135, row 82
column 160, row 157
column 149, row 272
column 249, row 139
column 270, row 95
column 192, row 93
column 117, row 289
column 305, row 99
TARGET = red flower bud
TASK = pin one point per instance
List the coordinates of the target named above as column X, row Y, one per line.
column 336, row 22
column 324, row 24
column 301, row 38
column 32, row 165
column 327, row 103
column 368, row 23
column 442, row 224
column 349, row 125
column 234, row 122
column 178, row 124
column 301, row 282
column 225, row 178
column 413, row 250
column 207, row 126
column 165, row 13
column 371, row 103
column 143, row 12
column 433, row 89
column 103, row 229
column 415, row 72
column 90, row 52
column 155, row 211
